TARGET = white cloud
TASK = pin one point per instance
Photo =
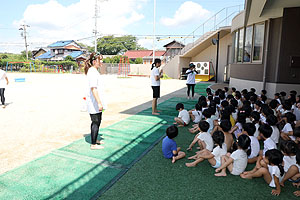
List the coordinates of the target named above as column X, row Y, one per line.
column 188, row 12
column 53, row 21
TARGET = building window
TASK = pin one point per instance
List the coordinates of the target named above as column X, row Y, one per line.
column 240, row 48
column 258, row 41
column 235, row 48
column 248, row 44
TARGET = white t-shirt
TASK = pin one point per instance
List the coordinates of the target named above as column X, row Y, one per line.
column 287, row 128
column 198, row 116
column 254, row 147
column 190, row 77
column 218, row 152
column 268, row 145
column 288, row 162
column 94, row 80
column 238, row 130
column 184, row 115
column 256, row 134
column 154, row 72
column 2, row 78
column 275, row 134
column 211, row 125
column 207, row 139
column 297, row 113
column 240, row 160
column 274, row 170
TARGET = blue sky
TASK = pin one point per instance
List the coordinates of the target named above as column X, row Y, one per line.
column 52, row 20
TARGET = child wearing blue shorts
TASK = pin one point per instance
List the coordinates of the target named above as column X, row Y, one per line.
column 169, row 146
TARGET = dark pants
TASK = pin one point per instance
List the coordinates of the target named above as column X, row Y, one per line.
column 96, row 121
column 189, row 88
column 2, row 96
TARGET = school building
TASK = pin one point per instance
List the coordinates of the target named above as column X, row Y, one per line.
column 258, row 46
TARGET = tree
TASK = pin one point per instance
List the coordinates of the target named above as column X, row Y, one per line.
column 4, row 56
column 138, row 61
column 69, row 58
column 110, row 45
column 23, row 53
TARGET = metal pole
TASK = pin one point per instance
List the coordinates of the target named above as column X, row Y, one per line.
column 217, row 60
column 95, row 31
column 154, row 12
column 25, row 41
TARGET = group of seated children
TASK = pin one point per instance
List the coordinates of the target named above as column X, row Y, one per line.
column 228, row 128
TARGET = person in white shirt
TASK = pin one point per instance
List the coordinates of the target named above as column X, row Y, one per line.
column 236, row 162
column 249, row 129
column 266, row 131
column 155, row 77
column 3, row 82
column 287, row 131
column 214, row 157
column 191, row 82
column 273, row 173
column 196, row 114
column 95, row 97
column 183, row 118
column 272, row 121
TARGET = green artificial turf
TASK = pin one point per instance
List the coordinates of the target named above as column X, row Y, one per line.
column 155, row 177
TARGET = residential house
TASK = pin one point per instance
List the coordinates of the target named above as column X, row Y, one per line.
column 146, row 55
column 61, row 49
column 37, row 53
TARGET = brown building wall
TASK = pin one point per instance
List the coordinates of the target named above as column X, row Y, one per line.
column 290, row 46
column 253, row 72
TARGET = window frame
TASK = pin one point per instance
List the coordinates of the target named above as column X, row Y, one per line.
column 263, row 44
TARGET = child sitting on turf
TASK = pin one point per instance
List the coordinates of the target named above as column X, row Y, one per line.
column 183, row 118
column 255, row 117
column 272, row 121
column 203, row 138
column 287, row 131
column 206, row 113
column 196, row 114
column 241, row 119
column 214, row 157
column 272, row 173
column 265, row 132
column 291, row 169
column 236, row 162
column 225, row 127
column 249, row 129
column 169, row 146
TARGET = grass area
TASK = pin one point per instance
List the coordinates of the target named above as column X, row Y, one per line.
column 155, row 177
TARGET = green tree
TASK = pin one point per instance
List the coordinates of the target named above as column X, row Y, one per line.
column 69, row 58
column 110, row 45
column 138, row 61
column 4, row 56
column 23, row 53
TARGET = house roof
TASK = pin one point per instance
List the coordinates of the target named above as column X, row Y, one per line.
column 34, row 52
column 75, row 54
column 46, row 55
column 62, row 43
column 142, row 53
column 174, row 44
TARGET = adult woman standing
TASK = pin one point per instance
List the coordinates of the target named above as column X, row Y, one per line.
column 155, row 84
column 191, row 82
column 95, row 100
column 3, row 77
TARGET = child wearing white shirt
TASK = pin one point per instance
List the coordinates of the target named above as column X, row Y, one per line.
column 236, row 162
column 196, row 114
column 272, row 121
column 183, row 118
column 287, row 131
column 272, row 173
column 250, row 129
column 265, row 131
column 203, row 138
column 214, row 157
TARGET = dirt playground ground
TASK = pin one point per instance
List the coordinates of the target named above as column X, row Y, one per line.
column 44, row 112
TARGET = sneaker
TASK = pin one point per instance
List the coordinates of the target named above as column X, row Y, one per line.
column 188, row 97
column 96, row 147
column 3, row 106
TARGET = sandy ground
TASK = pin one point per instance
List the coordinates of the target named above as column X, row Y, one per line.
column 44, row 112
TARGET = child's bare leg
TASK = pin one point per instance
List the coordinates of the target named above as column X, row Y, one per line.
column 179, row 121
column 212, row 161
column 252, row 160
column 223, row 171
column 180, row 155
column 259, row 173
column 193, row 164
column 293, row 170
column 257, row 166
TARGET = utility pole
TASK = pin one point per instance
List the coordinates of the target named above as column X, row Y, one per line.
column 154, row 12
column 24, row 34
column 96, row 16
